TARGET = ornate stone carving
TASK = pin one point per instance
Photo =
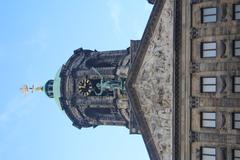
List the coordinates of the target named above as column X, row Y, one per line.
column 155, row 80
column 194, row 33
column 224, row 12
column 193, row 136
column 223, row 121
column 194, row 102
column 224, row 83
column 223, row 46
column 194, row 67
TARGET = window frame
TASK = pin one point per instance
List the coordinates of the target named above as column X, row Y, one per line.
column 202, row 85
column 215, row 120
column 202, row 15
column 233, row 120
column 235, row 84
column 235, row 12
column 234, row 48
column 213, row 155
column 202, row 49
column 233, row 155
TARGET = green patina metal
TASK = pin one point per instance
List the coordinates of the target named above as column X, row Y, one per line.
column 53, row 90
column 56, row 88
column 110, row 85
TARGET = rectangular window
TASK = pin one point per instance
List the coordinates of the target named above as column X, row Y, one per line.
column 236, row 11
column 236, row 154
column 209, row 15
column 208, row 119
column 236, row 120
column 208, row 153
column 236, row 84
column 236, row 48
column 208, row 49
column 208, row 84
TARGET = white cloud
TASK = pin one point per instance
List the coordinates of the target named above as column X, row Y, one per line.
column 115, row 12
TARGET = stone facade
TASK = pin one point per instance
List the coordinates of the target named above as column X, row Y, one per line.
column 154, row 83
column 150, row 82
column 222, row 65
column 93, row 88
column 192, row 74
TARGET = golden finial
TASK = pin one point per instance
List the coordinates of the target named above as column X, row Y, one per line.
column 25, row 89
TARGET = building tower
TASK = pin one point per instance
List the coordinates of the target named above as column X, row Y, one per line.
column 90, row 88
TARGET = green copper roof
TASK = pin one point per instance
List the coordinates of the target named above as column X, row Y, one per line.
column 56, row 88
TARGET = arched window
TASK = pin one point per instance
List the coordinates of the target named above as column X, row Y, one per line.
column 98, row 62
column 97, row 113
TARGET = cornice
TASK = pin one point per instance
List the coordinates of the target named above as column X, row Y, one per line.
column 145, row 41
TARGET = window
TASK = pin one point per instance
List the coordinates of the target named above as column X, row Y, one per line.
column 208, row 49
column 208, row 119
column 236, row 11
column 208, row 84
column 236, row 84
column 209, row 15
column 98, row 112
column 236, row 154
column 236, row 121
column 236, row 48
column 208, row 153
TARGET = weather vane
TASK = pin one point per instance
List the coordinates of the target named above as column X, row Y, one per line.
column 25, row 89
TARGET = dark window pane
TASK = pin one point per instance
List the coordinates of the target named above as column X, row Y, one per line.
column 237, row 116
column 207, row 19
column 209, row 11
column 209, row 119
column 237, row 52
column 209, row 80
column 237, row 8
column 237, row 15
column 237, row 44
column 209, row 89
column 209, row 49
column 207, row 54
column 211, row 124
column 207, row 46
column 236, row 153
column 208, row 153
column 208, row 115
column 209, row 15
column 237, row 80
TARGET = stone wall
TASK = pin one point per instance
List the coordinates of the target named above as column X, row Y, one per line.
column 154, row 84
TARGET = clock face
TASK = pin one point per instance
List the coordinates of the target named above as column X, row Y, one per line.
column 85, row 87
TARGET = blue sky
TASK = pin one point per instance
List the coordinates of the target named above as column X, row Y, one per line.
column 36, row 38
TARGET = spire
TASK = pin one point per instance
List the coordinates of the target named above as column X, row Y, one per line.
column 25, row 89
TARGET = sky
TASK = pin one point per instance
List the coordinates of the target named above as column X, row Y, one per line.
column 36, row 38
